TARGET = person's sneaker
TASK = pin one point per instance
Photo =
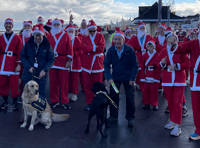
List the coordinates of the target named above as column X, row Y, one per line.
column 137, row 87
column 87, row 107
column 176, row 131
column 16, row 106
column 66, row 106
column 194, row 136
column 4, row 105
column 74, row 97
column 145, row 107
column 53, row 105
column 155, row 108
column 69, row 95
column 112, row 119
column 184, row 112
column 160, row 89
column 131, row 123
column 167, row 110
column 170, row 125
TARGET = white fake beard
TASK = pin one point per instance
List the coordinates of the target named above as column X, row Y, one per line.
column 27, row 33
column 141, row 33
column 55, row 30
column 63, row 28
column 72, row 35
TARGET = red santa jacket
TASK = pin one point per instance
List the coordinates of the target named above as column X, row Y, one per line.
column 9, row 54
column 149, row 72
column 178, row 76
column 92, row 57
column 126, row 39
column 193, row 48
column 135, row 44
column 24, row 40
column 159, row 45
column 63, row 51
column 76, row 62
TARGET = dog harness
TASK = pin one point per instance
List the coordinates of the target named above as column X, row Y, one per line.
column 111, row 101
column 40, row 105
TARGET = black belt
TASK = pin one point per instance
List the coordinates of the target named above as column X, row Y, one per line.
column 197, row 71
column 62, row 54
column 150, row 67
column 7, row 53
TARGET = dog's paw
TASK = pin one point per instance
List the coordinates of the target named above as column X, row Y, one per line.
column 47, row 127
column 23, row 125
column 30, row 128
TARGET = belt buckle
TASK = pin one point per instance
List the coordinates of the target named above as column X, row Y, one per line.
column 55, row 54
column 150, row 68
column 9, row 53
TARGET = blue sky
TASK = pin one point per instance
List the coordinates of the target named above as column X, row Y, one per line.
column 101, row 11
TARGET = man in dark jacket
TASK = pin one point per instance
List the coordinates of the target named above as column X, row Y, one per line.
column 124, row 70
column 37, row 58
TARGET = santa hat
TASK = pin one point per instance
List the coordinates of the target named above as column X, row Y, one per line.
column 28, row 23
column 151, row 42
column 171, row 34
column 83, row 21
column 40, row 18
column 120, row 33
column 62, row 22
column 141, row 24
column 193, row 31
column 38, row 29
column 99, row 29
column 70, row 26
column 49, row 23
column 9, row 20
column 127, row 29
column 162, row 26
column 157, row 30
column 56, row 21
column 168, row 30
column 91, row 24
column 117, row 29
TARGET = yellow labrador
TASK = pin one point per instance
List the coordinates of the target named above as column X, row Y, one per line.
column 44, row 115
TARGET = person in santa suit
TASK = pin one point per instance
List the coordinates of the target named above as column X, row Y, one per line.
column 40, row 20
column 76, row 29
column 10, row 64
column 191, row 35
column 193, row 47
column 138, row 43
column 48, row 26
column 25, row 36
column 93, row 45
column 160, row 40
column 157, row 33
column 174, row 81
column 128, row 34
column 74, row 73
column 83, row 29
column 59, row 74
column 150, row 75
column 62, row 24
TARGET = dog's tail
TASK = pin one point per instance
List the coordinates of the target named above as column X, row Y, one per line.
column 59, row 117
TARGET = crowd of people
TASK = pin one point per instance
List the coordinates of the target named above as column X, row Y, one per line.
column 70, row 54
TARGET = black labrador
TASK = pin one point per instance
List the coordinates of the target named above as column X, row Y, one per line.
column 98, row 107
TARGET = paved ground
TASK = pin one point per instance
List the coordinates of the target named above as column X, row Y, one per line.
column 149, row 129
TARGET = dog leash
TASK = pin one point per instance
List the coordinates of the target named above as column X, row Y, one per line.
column 112, row 102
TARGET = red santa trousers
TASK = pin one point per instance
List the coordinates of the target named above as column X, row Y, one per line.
column 81, row 80
column 9, row 82
column 174, row 96
column 73, row 82
column 59, row 80
column 150, row 95
column 88, row 80
column 141, row 84
column 196, row 109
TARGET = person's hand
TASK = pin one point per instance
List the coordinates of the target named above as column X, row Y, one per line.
column 18, row 68
column 131, row 83
column 110, row 81
column 172, row 67
column 42, row 74
column 97, row 46
column 68, row 64
column 164, row 61
column 31, row 70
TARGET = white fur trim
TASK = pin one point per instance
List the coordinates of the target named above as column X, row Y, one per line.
column 9, row 21
column 173, row 84
column 141, row 26
column 70, row 56
column 120, row 35
column 161, row 26
column 70, row 28
column 93, row 26
column 127, row 30
column 94, row 48
column 56, row 22
column 179, row 66
column 151, row 43
column 27, row 23
column 38, row 31
column 58, row 67
column 142, row 80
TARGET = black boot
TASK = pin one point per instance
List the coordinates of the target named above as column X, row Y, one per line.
column 16, row 105
column 4, row 105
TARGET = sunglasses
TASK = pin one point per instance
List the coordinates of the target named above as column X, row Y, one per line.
column 92, row 31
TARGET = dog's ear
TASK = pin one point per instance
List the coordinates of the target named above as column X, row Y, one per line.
column 26, row 89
